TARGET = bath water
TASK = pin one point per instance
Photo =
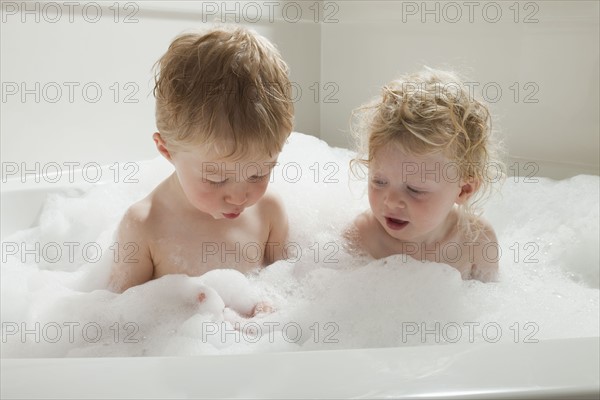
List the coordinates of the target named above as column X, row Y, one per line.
column 55, row 305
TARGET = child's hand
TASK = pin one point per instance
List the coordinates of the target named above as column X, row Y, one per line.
column 263, row 307
column 237, row 319
column 260, row 308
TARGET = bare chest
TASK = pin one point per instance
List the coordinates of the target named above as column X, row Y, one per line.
column 196, row 247
column 453, row 252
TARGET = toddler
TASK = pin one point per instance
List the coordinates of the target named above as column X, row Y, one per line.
column 430, row 158
column 223, row 113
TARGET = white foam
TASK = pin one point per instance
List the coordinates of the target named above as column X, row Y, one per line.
column 324, row 298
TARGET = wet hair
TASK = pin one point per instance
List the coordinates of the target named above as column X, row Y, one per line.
column 227, row 88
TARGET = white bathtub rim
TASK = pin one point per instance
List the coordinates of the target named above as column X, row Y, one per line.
column 551, row 368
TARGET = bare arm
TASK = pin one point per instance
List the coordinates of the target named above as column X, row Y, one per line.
column 353, row 235
column 278, row 230
column 132, row 265
column 486, row 256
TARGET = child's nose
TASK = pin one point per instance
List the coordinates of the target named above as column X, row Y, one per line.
column 394, row 200
column 238, row 196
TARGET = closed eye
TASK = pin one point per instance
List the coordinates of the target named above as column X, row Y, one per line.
column 216, row 183
column 257, row 178
column 378, row 182
column 415, row 191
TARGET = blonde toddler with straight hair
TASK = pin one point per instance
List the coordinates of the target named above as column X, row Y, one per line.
column 223, row 113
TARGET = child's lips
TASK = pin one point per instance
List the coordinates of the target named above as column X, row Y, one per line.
column 232, row 215
column 395, row 224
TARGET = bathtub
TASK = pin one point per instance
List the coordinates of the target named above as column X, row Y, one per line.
column 552, row 369
column 559, row 368
column 116, row 52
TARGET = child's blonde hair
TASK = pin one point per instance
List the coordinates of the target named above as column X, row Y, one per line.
column 227, row 88
column 428, row 112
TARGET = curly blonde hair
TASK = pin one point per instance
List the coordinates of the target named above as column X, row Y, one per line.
column 429, row 112
column 227, row 88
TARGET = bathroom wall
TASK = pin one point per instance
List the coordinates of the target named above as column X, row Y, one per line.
column 535, row 63
column 77, row 78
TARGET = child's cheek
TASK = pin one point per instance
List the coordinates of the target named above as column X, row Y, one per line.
column 430, row 214
column 204, row 193
column 374, row 197
column 259, row 190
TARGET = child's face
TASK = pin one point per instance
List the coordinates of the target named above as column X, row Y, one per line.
column 221, row 188
column 412, row 196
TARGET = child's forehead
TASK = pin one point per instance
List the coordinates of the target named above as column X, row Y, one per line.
column 393, row 154
column 204, row 160
column 222, row 152
column 393, row 163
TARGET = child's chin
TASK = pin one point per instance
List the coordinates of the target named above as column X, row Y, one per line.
column 397, row 235
column 401, row 234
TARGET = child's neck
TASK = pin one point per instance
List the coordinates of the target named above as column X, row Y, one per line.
column 443, row 233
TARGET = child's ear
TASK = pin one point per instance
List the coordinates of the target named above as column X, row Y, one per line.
column 467, row 189
column 161, row 146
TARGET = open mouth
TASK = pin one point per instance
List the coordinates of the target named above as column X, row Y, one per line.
column 395, row 224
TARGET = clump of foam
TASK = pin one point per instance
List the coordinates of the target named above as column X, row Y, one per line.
column 323, row 298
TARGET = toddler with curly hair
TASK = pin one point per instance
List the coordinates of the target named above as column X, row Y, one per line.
column 430, row 157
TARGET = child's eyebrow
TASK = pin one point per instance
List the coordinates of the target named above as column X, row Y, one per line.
column 421, row 179
column 220, row 169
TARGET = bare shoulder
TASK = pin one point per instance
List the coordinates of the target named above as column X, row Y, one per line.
column 272, row 210
column 364, row 221
column 137, row 217
column 363, row 225
column 486, row 256
column 356, row 233
column 149, row 211
column 485, row 231
column 133, row 263
column 271, row 199
column 271, row 206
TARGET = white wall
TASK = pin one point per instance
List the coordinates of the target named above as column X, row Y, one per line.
column 118, row 49
column 336, row 64
column 557, row 57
